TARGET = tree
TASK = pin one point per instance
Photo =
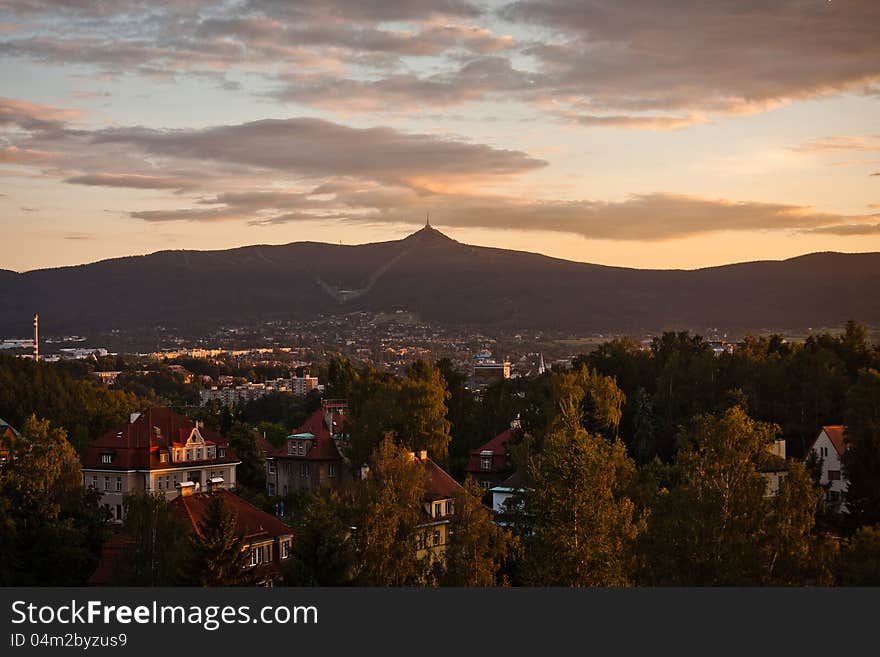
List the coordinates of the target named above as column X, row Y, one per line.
column 478, row 548
column 324, row 551
column 44, row 504
column 860, row 558
column 217, row 555
column 575, row 520
column 251, row 474
column 861, row 461
column 711, row 520
column 387, row 514
column 341, row 377
column 158, row 548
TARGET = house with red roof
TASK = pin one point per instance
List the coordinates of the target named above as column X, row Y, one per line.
column 438, row 504
column 489, row 464
column 829, row 448
column 8, row 438
column 267, row 540
column 309, row 459
column 157, row 451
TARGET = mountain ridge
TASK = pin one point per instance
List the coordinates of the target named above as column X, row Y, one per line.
column 443, row 281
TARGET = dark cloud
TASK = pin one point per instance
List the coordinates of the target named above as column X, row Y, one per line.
column 135, row 181
column 317, row 148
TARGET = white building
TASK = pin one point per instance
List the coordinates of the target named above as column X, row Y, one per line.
column 829, row 448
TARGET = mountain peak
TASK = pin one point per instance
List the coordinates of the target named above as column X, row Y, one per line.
column 428, row 233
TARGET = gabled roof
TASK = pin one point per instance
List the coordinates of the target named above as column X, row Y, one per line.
column 439, row 484
column 513, row 482
column 836, row 434
column 136, row 444
column 253, row 522
column 323, row 446
column 498, row 447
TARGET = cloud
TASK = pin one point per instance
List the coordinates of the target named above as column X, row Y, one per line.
column 863, row 143
column 848, row 230
column 135, row 181
column 80, row 236
column 30, row 115
column 316, row 148
column 637, row 122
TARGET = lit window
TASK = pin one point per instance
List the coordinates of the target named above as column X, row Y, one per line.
column 221, row 452
column 163, row 457
column 437, row 537
column 285, row 549
column 438, row 509
column 106, row 458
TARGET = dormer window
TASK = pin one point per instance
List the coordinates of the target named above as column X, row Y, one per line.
column 486, row 460
column 438, row 510
column 107, row 458
column 221, row 452
column 163, row 457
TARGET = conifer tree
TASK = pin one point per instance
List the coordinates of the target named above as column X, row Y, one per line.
column 217, row 549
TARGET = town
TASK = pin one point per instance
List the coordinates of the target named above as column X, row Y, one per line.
column 671, row 460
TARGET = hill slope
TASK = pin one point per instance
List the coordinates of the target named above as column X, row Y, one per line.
column 443, row 281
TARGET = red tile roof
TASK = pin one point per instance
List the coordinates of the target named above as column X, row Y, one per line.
column 324, row 447
column 439, row 484
column 113, row 548
column 836, row 433
column 500, row 459
column 255, row 523
column 136, row 445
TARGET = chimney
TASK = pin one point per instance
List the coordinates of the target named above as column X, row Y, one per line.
column 36, row 337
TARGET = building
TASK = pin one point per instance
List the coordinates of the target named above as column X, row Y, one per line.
column 230, row 395
column 829, row 448
column 489, row 464
column 157, row 451
column 438, row 504
column 310, row 458
column 489, row 371
column 774, row 468
column 107, row 378
column 8, row 436
column 502, row 493
column 266, row 538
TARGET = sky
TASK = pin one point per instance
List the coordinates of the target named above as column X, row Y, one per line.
column 675, row 134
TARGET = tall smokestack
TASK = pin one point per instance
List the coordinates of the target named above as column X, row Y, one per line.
column 36, row 337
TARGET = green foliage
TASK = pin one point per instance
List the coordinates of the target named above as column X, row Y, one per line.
column 576, row 523
column 51, row 528
column 387, row 512
column 862, row 459
column 251, row 473
column 217, row 555
column 158, row 550
column 478, row 549
column 411, row 409
column 711, row 521
column 84, row 408
column 324, row 552
column 860, row 558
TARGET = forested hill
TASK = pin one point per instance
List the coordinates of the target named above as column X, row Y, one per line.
column 443, row 281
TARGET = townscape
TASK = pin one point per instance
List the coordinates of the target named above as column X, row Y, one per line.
column 674, row 461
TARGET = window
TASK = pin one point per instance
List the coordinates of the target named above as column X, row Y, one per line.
column 421, row 541
column 485, row 485
column 175, row 481
column 271, row 489
column 448, row 507
column 285, row 549
column 302, row 448
column 271, row 465
column 107, row 483
column 189, row 455
column 437, row 537
column 331, row 470
column 304, row 470
column 106, row 458
column 119, row 512
column 834, row 475
column 486, row 462
column 438, row 509
column 221, row 452
column 168, row 482
column 95, row 482
column 199, row 454
column 257, row 555
column 159, row 483
column 163, row 457
column 118, row 484
column 291, row 448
